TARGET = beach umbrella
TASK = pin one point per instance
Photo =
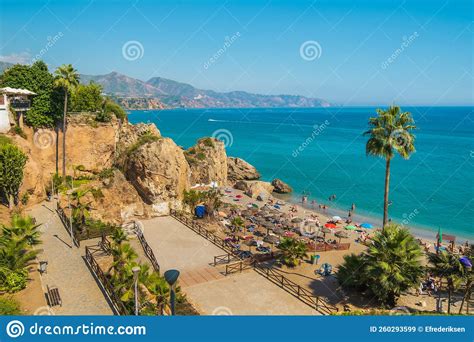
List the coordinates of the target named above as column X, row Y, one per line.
column 288, row 234
column 297, row 220
column 366, row 225
column 465, row 261
column 336, row 218
column 325, row 231
column 278, row 231
column 350, row 227
column 238, row 196
column 330, row 225
column 341, row 235
column 271, row 239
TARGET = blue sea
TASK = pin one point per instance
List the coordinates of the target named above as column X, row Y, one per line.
column 321, row 152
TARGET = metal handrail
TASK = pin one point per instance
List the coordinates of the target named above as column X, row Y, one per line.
column 117, row 305
column 146, row 247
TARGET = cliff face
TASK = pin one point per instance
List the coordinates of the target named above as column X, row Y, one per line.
column 156, row 171
column 208, row 162
column 159, row 171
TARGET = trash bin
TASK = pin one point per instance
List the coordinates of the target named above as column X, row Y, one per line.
column 315, row 259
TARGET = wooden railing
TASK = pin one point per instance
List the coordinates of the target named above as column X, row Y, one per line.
column 146, row 248
column 224, row 259
column 67, row 225
column 117, row 305
column 271, row 273
column 239, row 266
column 303, row 294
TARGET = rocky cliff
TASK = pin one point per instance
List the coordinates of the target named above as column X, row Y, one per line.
column 149, row 172
column 208, row 162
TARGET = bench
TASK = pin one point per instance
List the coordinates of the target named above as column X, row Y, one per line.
column 53, row 296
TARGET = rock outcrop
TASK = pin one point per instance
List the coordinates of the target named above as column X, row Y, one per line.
column 281, row 187
column 129, row 134
column 254, row 188
column 159, row 171
column 239, row 169
column 208, row 162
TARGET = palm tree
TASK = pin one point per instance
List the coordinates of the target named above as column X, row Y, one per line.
column 292, row 251
column 119, row 235
column 446, row 265
column 80, row 210
column 390, row 133
column 66, row 77
column 159, row 289
column 22, row 228
column 122, row 254
column 393, row 263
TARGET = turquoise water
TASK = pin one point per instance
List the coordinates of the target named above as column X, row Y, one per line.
column 321, row 152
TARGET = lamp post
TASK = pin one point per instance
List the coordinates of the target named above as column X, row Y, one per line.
column 171, row 277
column 136, row 271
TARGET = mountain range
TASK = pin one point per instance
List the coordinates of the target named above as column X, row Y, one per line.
column 158, row 92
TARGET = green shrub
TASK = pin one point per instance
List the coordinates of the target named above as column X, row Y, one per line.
column 207, row 142
column 18, row 131
column 9, row 307
column 4, row 140
column 12, row 163
column 13, row 281
column 200, row 156
column 142, row 140
column 110, row 107
column 106, row 173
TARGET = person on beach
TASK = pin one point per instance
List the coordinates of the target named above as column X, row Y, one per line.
column 353, row 207
column 313, row 203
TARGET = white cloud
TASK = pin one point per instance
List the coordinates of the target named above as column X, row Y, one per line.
column 21, row 58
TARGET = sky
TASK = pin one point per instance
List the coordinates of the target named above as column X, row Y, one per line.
column 417, row 52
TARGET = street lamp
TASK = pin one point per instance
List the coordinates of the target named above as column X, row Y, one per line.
column 136, row 271
column 171, row 277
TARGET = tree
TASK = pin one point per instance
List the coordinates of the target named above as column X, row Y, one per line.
column 446, row 265
column 390, row 265
column 66, row 78
column 390, row 133
column 159, row 289
column 292, row 251
column 87, row 98
column 212, row 201
column 17, row 253
column 44, row 111
column 12, row 163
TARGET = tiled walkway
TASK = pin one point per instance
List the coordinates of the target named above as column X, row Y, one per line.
column 66, row 268
column 177, row 246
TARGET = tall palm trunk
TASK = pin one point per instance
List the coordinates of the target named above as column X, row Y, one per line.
column 64, row 132
column 467, row 294
column 387, row 188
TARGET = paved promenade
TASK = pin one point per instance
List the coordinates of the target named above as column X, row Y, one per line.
column 66, row 268
column 247, row 293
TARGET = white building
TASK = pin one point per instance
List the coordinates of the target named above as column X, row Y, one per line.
column 13, row 101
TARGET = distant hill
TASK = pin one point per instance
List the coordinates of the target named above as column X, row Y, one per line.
column 174, row 94
column 4, row 65
column 160, row 92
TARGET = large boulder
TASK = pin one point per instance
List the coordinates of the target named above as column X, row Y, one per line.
column 158, row 170
column 241, row 185
column 207, row 161
column 281, row 187
column 257, row 188
column 239, row 169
